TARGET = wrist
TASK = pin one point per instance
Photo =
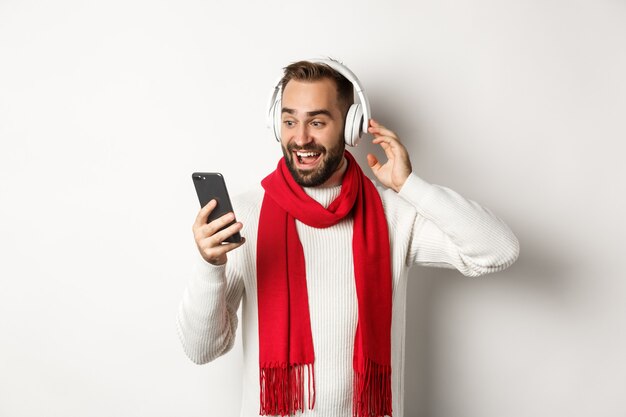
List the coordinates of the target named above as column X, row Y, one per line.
column 397, row 185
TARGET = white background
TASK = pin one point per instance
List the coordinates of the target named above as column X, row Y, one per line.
column 107, row 107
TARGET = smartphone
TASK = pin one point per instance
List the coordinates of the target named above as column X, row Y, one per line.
column 209, row 186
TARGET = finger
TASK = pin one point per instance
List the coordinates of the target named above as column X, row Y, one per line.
column 377, row 129
column 382, row 131
column 373, row 162
column 389, row 145
column 389, row 141
column 209, row 229
column 203, row 214
column 215, row 252
column 222, row 235
column 233, row 245
column 221, row 249
column 394, row 149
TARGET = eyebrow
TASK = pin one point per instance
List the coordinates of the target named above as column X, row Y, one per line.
column 309, row 113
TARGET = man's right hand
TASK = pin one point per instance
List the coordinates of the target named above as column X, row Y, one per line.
column 209, row 238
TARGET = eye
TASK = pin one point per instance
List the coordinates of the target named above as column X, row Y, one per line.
column 289, row 123
column 317, row 123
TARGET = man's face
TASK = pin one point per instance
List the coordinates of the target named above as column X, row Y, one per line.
column 312, row 131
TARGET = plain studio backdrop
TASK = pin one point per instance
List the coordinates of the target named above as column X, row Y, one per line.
column 107, row 107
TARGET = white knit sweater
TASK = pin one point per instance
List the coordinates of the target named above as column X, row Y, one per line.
column 428, row 225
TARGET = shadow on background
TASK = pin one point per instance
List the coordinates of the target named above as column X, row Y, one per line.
column 538, row 272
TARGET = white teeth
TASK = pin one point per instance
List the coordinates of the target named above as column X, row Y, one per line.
column 306, row 154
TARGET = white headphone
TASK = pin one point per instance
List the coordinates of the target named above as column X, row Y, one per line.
column 357, row 119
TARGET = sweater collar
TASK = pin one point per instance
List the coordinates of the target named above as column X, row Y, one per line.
column 323, row 195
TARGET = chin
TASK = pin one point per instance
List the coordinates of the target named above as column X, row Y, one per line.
column 330, row 161
column 308, row 177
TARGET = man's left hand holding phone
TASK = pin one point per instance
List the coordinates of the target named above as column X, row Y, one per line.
column 215, row 230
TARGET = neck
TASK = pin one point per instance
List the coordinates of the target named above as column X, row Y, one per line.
column 337, row 176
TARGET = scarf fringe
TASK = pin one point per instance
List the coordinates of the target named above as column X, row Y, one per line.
column 372, row 391
column 282, row 389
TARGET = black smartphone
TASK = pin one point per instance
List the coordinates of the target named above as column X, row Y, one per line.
column 209, row 186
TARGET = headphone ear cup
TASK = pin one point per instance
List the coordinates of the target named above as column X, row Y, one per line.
column 276, row 118
column 354, row 121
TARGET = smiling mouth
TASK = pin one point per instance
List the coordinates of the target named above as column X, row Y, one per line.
column 307, row 157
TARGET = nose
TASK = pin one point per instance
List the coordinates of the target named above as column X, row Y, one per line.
column 301, row 135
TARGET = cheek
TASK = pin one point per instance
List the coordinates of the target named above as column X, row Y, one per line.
column 334, row 138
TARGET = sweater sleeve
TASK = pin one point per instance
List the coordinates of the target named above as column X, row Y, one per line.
column 451, row 231
column 207, row 315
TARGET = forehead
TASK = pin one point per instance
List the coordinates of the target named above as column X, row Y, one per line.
column 310, row 95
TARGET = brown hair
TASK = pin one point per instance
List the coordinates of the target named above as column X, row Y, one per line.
column 313, row 71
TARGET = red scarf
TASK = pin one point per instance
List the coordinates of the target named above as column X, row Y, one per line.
column 285, row 340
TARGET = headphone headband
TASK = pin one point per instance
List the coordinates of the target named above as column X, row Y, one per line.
column 359, row 115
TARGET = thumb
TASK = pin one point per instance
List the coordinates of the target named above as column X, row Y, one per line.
column 373, row 162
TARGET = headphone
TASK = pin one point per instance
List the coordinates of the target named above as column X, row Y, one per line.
column 357, row 119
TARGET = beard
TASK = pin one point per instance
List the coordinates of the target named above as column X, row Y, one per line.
column 330, row 161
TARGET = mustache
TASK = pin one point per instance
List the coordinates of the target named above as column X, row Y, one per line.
column 311, row 147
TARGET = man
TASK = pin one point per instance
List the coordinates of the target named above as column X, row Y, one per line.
column 323, row 273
